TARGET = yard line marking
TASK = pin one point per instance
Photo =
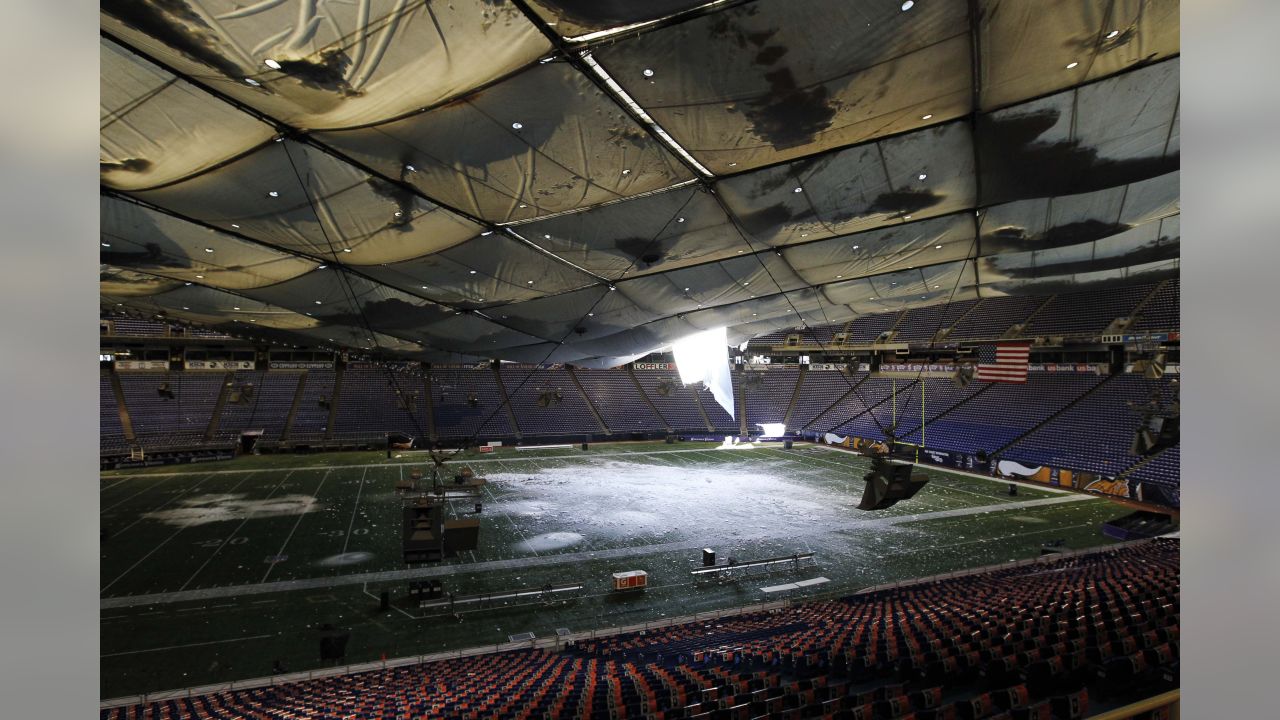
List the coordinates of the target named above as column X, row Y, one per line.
column 118, row 504
column 365, row 590
column 632, row 453
column 162, row 544
column 175, row 498
column 800, row 460
column 189, row 645
column 328, row 583
column 494, row 499
column 125, row 480
column 223, row 544
column 966, row 473
column 295, row 528
column 356, row 507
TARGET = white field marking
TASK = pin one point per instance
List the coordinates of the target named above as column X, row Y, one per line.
column 162, row 542
column 113, row 485
column 851, row 466
column 189, row 645
column 965, row 473
column 566, row 456
column 494, row 499
column 226, row 540
column 296, row 523
column 356, row 507
column 365, row 589
column 926, row 467
column 175, row 498
column 118, row 504
column 329, row 583
column 802, row 460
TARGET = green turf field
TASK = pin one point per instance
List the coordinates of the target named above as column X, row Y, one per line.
column 209, row 573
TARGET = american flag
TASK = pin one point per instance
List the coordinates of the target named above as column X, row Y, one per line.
column 1010, row 365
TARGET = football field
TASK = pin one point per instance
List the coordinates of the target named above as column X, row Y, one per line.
column 211, row 573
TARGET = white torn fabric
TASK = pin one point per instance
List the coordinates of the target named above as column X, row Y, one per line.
column 704, row 357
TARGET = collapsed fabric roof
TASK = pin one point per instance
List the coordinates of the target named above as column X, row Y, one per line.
column 587, row 181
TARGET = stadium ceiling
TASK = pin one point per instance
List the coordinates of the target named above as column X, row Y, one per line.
column 585, row 181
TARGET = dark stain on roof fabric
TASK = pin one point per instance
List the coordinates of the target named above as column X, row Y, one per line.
column 176, row 24
column 605, row 14
column 328, row 73
column 135, row 165
column 900, row 203
column 1163, row 249
column 1013, row 238
column 1016, row 165
column 392, row 314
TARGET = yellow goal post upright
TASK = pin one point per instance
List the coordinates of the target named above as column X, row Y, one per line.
column 137, row 453
column 894, row 403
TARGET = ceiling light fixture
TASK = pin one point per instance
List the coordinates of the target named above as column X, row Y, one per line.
column 516, row 126
column 318, row 302
column 253, row 82
column 1072, row 64
column 679, row 220
column 346, row 250
column 855, row 247
column 235, row 226
column 274, row 65
column 410, row 168
column 647, row 72
column 908, row 5
column 626, row 171
column 921, row 176
column 937, row 247
column 201, row 277
column 208, row 250
column 273, row 193
column 799, row 189
column 184, row 307
column 473, row 272
column 106, row 244
column 1112, row 34
column 926, row 117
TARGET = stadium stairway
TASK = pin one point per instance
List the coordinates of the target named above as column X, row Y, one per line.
column 431, row 407
column 506, row 403
column 795, row 394
column 1088, row 393
column 126, row 422
column 703, row 412
column 631, row 373
column 1015, row 331
column 332, row 422
column 586, row 397
column 293, row 408
column 913, row 435
column 215, row 417
column 817, row 420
